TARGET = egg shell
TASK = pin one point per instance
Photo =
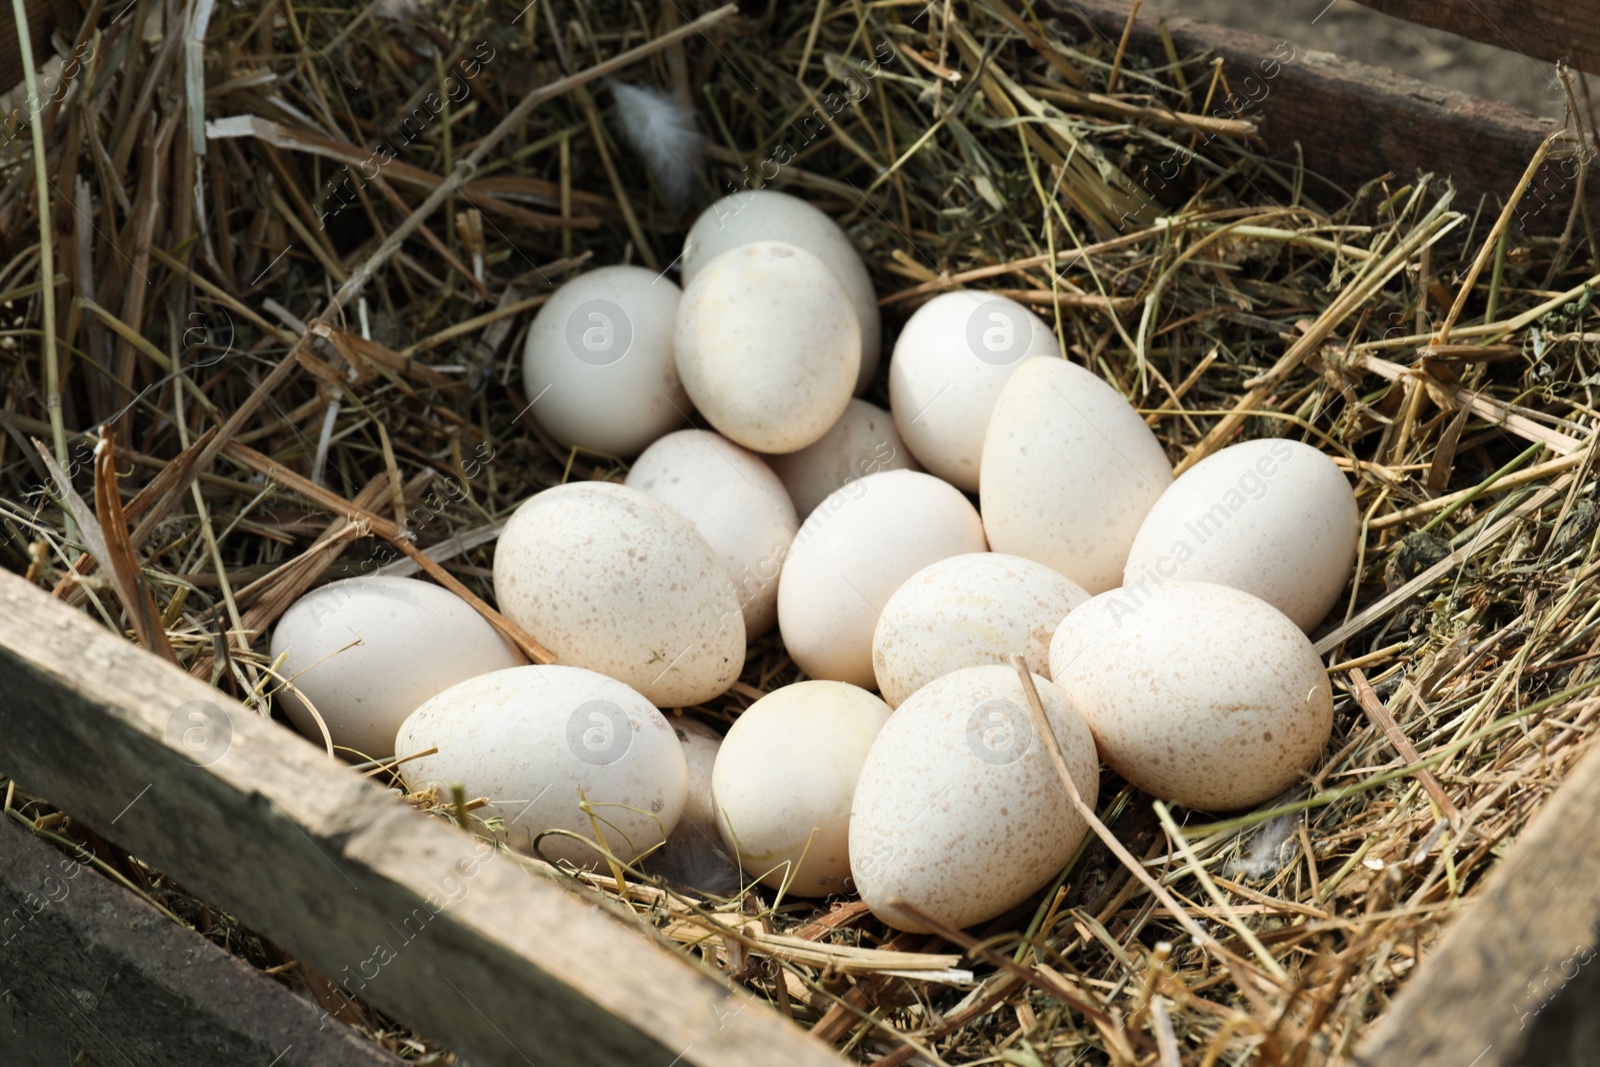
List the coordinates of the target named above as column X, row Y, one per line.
column 530, row 738
column 966, row 611
column 369, row 651
column 863, row 441
column 1274, row 518
column 693, row 856
column 959, row 809
column 1198, row 694
column 1070, row 470
column 768, row 346
column 852, row 553
column 949, row 366
column 610, row 578
column 784, row 779
column 700, row 746
column 738, row 505
column 598, row 367
column 767, row 215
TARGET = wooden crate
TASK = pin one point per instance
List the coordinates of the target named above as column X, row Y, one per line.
column 1351, row 123
column 504, row 967
column 421, row 920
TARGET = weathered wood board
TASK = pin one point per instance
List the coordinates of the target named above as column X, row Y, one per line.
column 420, row 919
column 1543, row 29
column 91, row 968
column 1351, row 122
column 1515, row 981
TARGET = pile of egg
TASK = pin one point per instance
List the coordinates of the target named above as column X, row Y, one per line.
column 1164, row 621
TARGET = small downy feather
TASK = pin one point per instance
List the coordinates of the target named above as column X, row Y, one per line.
column 1271, row 849
column 662, row 132
column 692, row 860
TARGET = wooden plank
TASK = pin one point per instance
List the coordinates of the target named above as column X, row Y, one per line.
column 1543, row 29
column 1349, row 121
column 1515, row 979
column 413, row 915
column 93, row 969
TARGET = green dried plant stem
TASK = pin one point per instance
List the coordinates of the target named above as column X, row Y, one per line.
column 1485, row 485
column 47, row 267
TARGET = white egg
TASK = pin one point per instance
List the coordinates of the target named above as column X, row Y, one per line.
column 766, row 215
column 367, row 652
column 966, row 611
column 610, row 578
column 768, row 346
column 852, row 553
column 693, row 856
column 700, row 746
column 1198, row 694
column 598, row 367
column 738, row 505
column 959, row 809
column 538, row 741
column 862, row 442
column 1274, row 518
column 1070, row 470
column 783, row 782
column 950, row 363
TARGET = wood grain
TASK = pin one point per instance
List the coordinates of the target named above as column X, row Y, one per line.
column 93, row 969
column 1515, row 979
column 1351, row 122
column 1543, row 29
column 414, row 916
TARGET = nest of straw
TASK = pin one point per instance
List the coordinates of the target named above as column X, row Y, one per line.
column 289, row 348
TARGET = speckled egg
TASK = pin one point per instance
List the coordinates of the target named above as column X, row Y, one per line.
column 693, row 856
column 530, row 738
column 1274, row 518
column 610, row 578
column 367, row 652
column 959, row 809
column 1198, row 694
column 598, row 367
column 966, row 611
column 1070, row 471
column 738, row 505
column 768, row 346
column 852, row 553
column 784, row 779
column 950, row 363
column 768, row 215
column 862, row 442
column 700, row 745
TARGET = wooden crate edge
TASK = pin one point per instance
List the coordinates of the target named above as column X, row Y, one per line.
column 412, row 915
column 1352, row 122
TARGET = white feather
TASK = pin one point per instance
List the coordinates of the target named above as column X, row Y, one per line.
column 693, row 860
column 398, row 10
column 662, row 132
column 1271, row 849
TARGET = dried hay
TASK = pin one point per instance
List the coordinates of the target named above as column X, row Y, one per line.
column 305, row 356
